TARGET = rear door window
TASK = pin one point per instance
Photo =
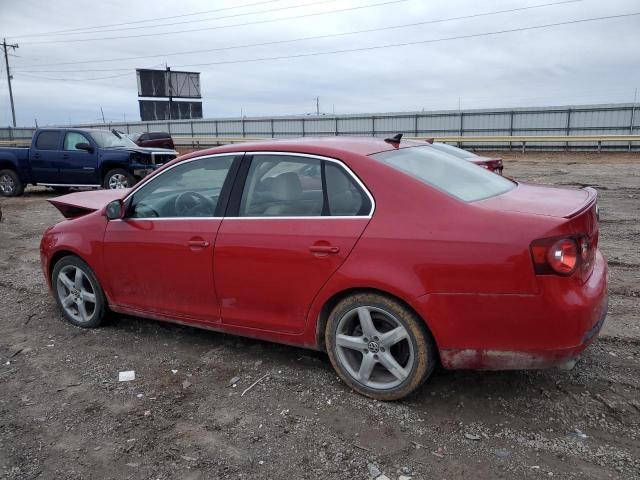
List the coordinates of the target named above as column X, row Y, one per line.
column 299, row 186
column 48, row 140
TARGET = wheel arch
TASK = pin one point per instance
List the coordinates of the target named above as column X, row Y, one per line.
column 329, row 305
column 59, row 255
column 106, row 167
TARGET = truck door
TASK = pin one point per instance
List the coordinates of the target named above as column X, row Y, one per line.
column 78, row 166
column 45, row 156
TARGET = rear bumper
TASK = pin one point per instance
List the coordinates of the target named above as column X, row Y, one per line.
column 497, row 332
column 489, row 359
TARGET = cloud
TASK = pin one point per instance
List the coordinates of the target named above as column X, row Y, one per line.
column 583, row 63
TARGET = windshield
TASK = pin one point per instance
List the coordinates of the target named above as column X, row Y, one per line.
column 450, row 149
column 107, row 139
column 452, row 175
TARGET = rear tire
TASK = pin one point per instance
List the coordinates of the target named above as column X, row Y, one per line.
column 78, row 292
column 10, row 184
column 379, row 347
column 118, row 178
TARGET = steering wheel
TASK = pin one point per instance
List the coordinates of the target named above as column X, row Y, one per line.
column 190, row 204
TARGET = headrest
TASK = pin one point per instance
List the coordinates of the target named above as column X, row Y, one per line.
column 286, row 186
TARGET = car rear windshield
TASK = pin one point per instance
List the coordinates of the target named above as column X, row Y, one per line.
column 452, row 175
column 455, row 151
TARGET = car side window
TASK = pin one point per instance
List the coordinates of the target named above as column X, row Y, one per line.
column 71, row 139
column 344, row 196
column 282, row 186
column 290, row 186
column 189, row 189
column 49, row 140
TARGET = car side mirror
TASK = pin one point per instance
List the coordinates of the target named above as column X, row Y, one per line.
column 115, row 210
column 84, row 146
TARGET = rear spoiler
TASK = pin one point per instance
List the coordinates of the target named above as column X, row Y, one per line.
column 592, row 198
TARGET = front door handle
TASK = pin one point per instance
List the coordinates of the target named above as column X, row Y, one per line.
column 198, row 244
column 324, row 249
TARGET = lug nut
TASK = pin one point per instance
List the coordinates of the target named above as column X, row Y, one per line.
column 382, row 349
column 375, row 356
column 366, row 350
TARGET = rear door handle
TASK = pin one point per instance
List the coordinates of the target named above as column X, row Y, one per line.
column 324, row 249
column 198, row 244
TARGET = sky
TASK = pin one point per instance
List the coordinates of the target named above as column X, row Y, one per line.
column 280, row 61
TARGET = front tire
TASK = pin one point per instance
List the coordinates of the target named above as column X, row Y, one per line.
column 10, row 184
column 78, row 292
column 379, row 347
column 118, row 178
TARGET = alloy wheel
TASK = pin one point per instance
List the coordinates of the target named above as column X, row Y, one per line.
column 7, row 184
column 76, row 294
column 117, row 181
column 374, row 347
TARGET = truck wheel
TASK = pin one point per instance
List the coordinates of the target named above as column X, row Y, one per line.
column 10, row 184
column 118, row 178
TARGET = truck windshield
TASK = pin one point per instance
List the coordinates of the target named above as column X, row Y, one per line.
column 107, row 139
column 449, row 174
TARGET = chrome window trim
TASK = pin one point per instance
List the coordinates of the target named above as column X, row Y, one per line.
column 286, row 154
column 317, row 157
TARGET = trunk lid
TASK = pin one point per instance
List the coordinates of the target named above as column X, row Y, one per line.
column 542, row 200
column 81, row 203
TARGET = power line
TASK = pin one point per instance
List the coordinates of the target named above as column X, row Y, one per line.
column 198, row 20
column 257, row 22
column 56, row 32
column 404, row 44
column 317, row 37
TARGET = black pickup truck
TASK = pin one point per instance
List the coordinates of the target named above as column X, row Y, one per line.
column 75, row 157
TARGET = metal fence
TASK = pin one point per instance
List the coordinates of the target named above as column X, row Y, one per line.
column 609, row 119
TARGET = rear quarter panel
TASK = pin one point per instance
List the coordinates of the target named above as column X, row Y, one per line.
column 16, row 159
column 422, row 243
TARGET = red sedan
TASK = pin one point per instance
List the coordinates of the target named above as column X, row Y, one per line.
column 394, row 259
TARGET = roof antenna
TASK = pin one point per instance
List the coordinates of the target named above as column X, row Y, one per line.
column 394, row 139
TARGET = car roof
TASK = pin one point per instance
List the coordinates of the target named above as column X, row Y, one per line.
column 314, row 145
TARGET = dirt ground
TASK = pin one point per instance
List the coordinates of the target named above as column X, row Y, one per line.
column 63, row 413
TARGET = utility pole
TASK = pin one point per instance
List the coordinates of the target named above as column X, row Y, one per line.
column 5, row 47
column 102, row 112
column 318, row 106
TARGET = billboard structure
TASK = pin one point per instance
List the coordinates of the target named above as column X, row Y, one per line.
column 169, row 85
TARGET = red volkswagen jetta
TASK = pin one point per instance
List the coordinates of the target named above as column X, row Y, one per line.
column 394, row 258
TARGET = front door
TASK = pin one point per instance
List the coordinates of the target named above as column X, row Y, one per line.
column 159, row 258
column 293, row 224
column 78, row 167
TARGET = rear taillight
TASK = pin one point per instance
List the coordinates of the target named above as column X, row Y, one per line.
column 561, row 256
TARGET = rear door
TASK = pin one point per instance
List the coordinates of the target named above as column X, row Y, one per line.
column 292, row 221
column 159, row 258
column 78, row 167
column 45, row 157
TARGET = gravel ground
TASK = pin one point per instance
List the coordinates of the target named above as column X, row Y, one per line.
column 63, row 413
